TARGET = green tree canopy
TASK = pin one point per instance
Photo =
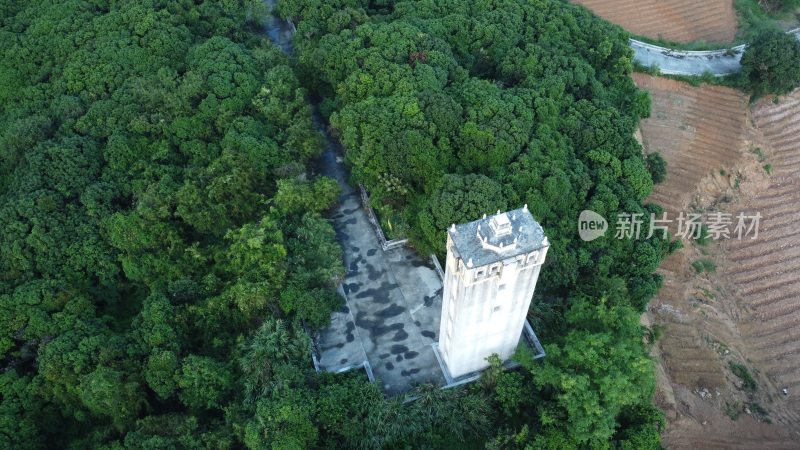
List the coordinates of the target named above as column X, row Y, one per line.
column 771, row 63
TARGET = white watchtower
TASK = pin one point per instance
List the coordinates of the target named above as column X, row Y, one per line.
column 491, row 272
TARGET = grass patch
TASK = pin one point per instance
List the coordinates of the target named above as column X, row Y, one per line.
column 759, row 153
column 748, row 382
column 705, row 236
column 641, row 68
column 718, row 346
column 733, row 410
column 708, row 294
column 760, row 413
column 704, row 265
column 754, row 19
column 731, row 81
column 699, row 45
column 768, row 169
column 393, row 224
column 654, row 333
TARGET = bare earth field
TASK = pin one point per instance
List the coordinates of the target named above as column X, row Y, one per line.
column 672, row 20
column 747, row 312
column 697, row 130
column 765, row 273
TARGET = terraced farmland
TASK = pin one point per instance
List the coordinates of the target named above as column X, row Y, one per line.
column 673, row 20
column 697, row 130
column 746, row 312
column 765, row 272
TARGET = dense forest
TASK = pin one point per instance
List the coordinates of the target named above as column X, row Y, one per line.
column 449, row 109
column 165, row 247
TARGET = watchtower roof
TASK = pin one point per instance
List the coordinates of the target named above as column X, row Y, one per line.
column 497, row 237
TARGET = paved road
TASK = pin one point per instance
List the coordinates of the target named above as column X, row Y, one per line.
column 280, row 31
column 677, row 62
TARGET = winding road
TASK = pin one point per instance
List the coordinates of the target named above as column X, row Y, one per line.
column 678, row 62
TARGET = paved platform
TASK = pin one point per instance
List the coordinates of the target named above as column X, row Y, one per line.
column 390, row 319
column 393, row 304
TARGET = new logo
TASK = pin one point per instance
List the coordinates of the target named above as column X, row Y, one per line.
column 591, row 225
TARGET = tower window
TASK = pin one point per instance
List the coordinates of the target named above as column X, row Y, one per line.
column 532, row 257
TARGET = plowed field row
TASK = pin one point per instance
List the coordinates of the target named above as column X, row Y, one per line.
column 701, row 131
column 673, row 20
column 766, row 273
column 696, row 130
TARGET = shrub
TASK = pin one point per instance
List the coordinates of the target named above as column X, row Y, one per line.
column 704, row 265
column 657, row 167
column 741, row 371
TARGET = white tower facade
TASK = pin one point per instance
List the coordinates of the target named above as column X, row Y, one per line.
column 490, row 276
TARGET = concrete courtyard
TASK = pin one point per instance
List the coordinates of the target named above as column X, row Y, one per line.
column 391, row 316
column 389, row 324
